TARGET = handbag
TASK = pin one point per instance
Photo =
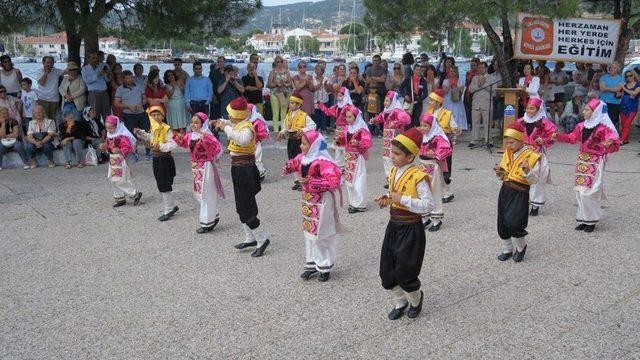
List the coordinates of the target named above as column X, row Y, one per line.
column 408, row 106
column 91, row 158
column 8, row 142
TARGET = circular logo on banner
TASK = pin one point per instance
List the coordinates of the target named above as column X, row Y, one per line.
column 509, row 110
column 537, row 34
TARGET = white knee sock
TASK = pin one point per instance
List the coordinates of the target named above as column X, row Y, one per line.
column 507, row 246
column 399, row 300
column 259, row 235
column 167, row 199
column 248, row 235
column 413, row 297
column 520, row 243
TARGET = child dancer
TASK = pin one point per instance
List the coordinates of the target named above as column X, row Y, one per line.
column 448, row 124
column 207, row 187
column 244, row 173
column 120, row 143
column 295, row 124
column 357, row 140
column 394, row 120
column 161, row 142
column 262, row 133
column 538, row 136
column 519, row 168
column 343, row 98
column 434, row 151
column 320, row 178
column 404, row 240
column 598, row 138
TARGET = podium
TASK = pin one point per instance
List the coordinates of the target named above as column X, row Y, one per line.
column 510, row 111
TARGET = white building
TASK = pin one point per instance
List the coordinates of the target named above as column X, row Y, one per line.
column 267, row 43
column 52, row 45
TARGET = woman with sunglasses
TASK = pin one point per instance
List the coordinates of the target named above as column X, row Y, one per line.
column 396, row 78
column 279, row 82
column 628, row 104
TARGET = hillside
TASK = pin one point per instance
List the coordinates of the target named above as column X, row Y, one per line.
column 316, row 14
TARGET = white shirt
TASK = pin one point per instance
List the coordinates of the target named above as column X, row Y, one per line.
column 308, row 126
column 49, row 91
column 558, row 76
column 242, row 137
column 424, row 204
column 28, row 102
column 165, row 147
column 534, row 85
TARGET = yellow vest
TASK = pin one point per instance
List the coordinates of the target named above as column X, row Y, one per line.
column 234, row 147
column 407, row 183
column 513, row 172
column 297, row 121
column 444, row 120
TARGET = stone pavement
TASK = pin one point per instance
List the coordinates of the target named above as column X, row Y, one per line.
column 79, row 279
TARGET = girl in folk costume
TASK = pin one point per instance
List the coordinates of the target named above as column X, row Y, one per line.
column 434, row 151
column 404, row 239
column 519, row 168
column 161, row 142
column 598, row 138
column 357, row 140
column 262, row 133
column 448, row 124
column 320, row 179
column 295, row 124
column 244, row 173
column 207, row 187
column 394, row 120
column 539, row 136
column 120, row 143
column 336, row 111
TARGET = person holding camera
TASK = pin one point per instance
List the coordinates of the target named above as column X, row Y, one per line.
column 230, row 88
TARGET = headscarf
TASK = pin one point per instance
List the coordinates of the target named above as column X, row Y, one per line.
column 346, row 100
column 395, row 102
column 92, row 122
column 434, row 130
column 255, row 115
column 205, row 125
column 599, row 116
column 120, row 130
column 317, row 148
column 542, row 110
column 359, row 123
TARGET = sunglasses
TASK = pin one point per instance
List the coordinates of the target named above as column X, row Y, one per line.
column 629, row 75
column 302, row 66
column 279, row 61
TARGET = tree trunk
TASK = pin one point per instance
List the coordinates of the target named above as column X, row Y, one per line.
column 503, row 60
column 90, row 35
column 74, row 41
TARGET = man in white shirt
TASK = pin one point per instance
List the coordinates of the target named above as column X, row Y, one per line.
column 48, row 82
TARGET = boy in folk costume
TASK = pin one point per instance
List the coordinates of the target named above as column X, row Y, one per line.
column 204, row 149
column 404, row 240
column 519, row 168
column 320, row 179
column 394, row 120
column 598, row 138
column 448, row 124
column 343, row 99
column 244, row 173
column 295, row 124
column 262, row 133
column 434, row 151
column 120, row 143
column 538, row 136
column 357, row 140
column 161, row 142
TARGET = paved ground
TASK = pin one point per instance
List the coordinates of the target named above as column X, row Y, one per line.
column 79, row 279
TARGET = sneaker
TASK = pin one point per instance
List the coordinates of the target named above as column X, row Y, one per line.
column 51, row 165
column 0, row 168
column 26, row 167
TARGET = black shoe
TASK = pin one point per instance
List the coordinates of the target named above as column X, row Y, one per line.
column 262, row 178
column 519, row 255
column 296, row 187
column 589, row 228
column 436, row 226
column 136, row 199
column 168, row 216
column 415, row 311
column 202, row 229
column 581, row 227
column 534, row 210
column 245, row 245
column 386, row 186
column 448, row 199
column 307, row 274
column 259, row 251
column 396, row 314
column 471, row 144
column 505, row 256
column 353, row 210
column 324, row 276
column 426, row 225
column 119, row 203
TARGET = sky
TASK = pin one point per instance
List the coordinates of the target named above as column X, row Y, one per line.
column 282, row 2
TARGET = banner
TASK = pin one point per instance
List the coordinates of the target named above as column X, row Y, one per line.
column 569, row 40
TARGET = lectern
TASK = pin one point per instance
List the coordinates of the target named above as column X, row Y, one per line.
column 510, row 111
